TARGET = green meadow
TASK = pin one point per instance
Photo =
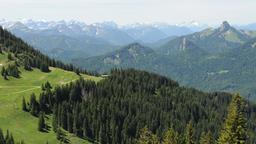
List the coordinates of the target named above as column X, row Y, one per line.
column 22, row 124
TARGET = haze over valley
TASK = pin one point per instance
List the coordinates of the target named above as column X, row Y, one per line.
column 127, row 72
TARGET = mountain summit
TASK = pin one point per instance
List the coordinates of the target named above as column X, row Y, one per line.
column 216, row 40
column 225, row 26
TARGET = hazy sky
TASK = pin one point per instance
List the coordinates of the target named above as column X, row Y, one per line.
column 131, row 11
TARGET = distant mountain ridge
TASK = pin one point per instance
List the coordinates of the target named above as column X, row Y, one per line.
column 99, row 29
column 216, row 40
column 67, row 40
column 213, row 59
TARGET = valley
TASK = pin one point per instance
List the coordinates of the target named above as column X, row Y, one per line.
column 218, row 59
column 127, row 72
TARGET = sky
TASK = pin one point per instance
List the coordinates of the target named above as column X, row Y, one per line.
column 132, row 11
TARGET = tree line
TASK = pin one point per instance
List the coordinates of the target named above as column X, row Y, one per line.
column 29, row 57
column 115, row 109
column 8, row 138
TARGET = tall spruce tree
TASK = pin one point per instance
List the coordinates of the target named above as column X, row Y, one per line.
column 33, row 105
column 54, row 120
column 170, row 137
column 189, row 134
column 234, row 128
column 206, row 138
column 147, row 137
column 4, row 73
column 24, row 104
column 59, row 134
column 2, row 139
column 41, row 122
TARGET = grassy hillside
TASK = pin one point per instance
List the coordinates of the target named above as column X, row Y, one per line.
column 23, row 125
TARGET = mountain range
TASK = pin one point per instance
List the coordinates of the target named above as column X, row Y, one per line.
column 213, row 59
column 44, row 100
column 201, row 58
column 59, row 39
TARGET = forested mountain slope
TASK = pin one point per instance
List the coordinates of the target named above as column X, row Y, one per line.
column 41, row 102
column 23, row 71
column 219, row 59
column 115, row 109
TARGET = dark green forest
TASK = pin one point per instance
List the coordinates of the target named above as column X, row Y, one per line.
column 116, row 109
column 25, row 55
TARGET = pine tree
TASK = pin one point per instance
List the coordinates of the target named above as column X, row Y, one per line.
column 27, row 65
column 9, row 56
column 2, row 139
column 147, row 137
column 55, row 118
column 34, row 106
column 69, row 122
column 102, row 135
column 75, row 130
column 47, row 86
column 24, row 104
column 189, row 134
column 234, row 129
column 77, row 72
column 170, row 137
column 41, row 122
column 4, row 73
column 44, row 67
column 59, row 134
column 7, row 136
column 54, row 123
column 206, row 138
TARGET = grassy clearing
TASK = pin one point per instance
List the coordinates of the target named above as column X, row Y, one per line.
column 22, row 124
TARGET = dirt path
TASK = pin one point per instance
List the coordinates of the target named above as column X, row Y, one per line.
column 33, row 87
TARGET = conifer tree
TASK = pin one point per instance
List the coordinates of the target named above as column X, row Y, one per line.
column 147, row 137
column 234, row 128
column 9, row 56
column 54, row 123
column 189, row 134
column 206, row 138
column 75, row 130
column 41, row 122
column 7, row 136
column 24, row 104
column 4, row 73
column 59, row 134
column 55, row 118
column 44, row 67
column 34, row 106
column 170, row 137
column 77, row 72
column 27, row 65
column 2, row 139
column 69, row 122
